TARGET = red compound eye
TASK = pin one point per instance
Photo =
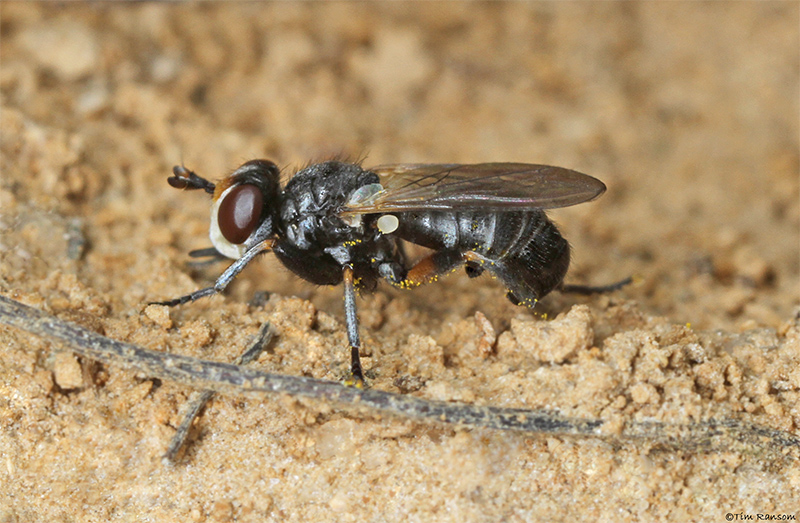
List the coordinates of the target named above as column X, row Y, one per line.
column 239, row 212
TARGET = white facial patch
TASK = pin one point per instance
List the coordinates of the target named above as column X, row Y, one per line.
column 215, row 234
column 388, row 223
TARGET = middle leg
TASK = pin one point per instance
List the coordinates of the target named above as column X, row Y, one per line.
column 356, row 378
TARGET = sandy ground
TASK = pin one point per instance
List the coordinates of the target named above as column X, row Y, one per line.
column 688, row 111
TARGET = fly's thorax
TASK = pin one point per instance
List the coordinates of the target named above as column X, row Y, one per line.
column 313, row 215
column 325, row 188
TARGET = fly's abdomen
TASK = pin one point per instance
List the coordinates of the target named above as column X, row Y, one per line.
column 495, row 235
column 522, row 248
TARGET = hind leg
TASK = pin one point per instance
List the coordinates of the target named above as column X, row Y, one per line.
column 600, row 289
column 429, row 269
column 526, row 278
column 522, row 286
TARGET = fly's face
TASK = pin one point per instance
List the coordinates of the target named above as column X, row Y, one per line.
column 245, row 204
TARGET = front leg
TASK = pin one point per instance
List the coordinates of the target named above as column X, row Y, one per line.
column 224, row 279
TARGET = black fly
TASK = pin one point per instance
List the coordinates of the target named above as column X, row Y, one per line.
column 336, row 222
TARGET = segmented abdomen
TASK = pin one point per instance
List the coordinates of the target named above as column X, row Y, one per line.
column 496, row 235
column 522, row 248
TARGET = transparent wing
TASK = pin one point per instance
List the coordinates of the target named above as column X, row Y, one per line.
column 490, row 186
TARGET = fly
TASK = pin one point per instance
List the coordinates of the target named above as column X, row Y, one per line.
column 336, row 222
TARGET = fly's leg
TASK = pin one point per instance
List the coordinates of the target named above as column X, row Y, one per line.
column 429, row 269
column 224, row 279
column 473, row 269
column 210, row 254
column 351, row 319
column 511, row 271
column 588, row 289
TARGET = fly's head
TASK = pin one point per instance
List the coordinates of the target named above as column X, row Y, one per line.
column 245, row 206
